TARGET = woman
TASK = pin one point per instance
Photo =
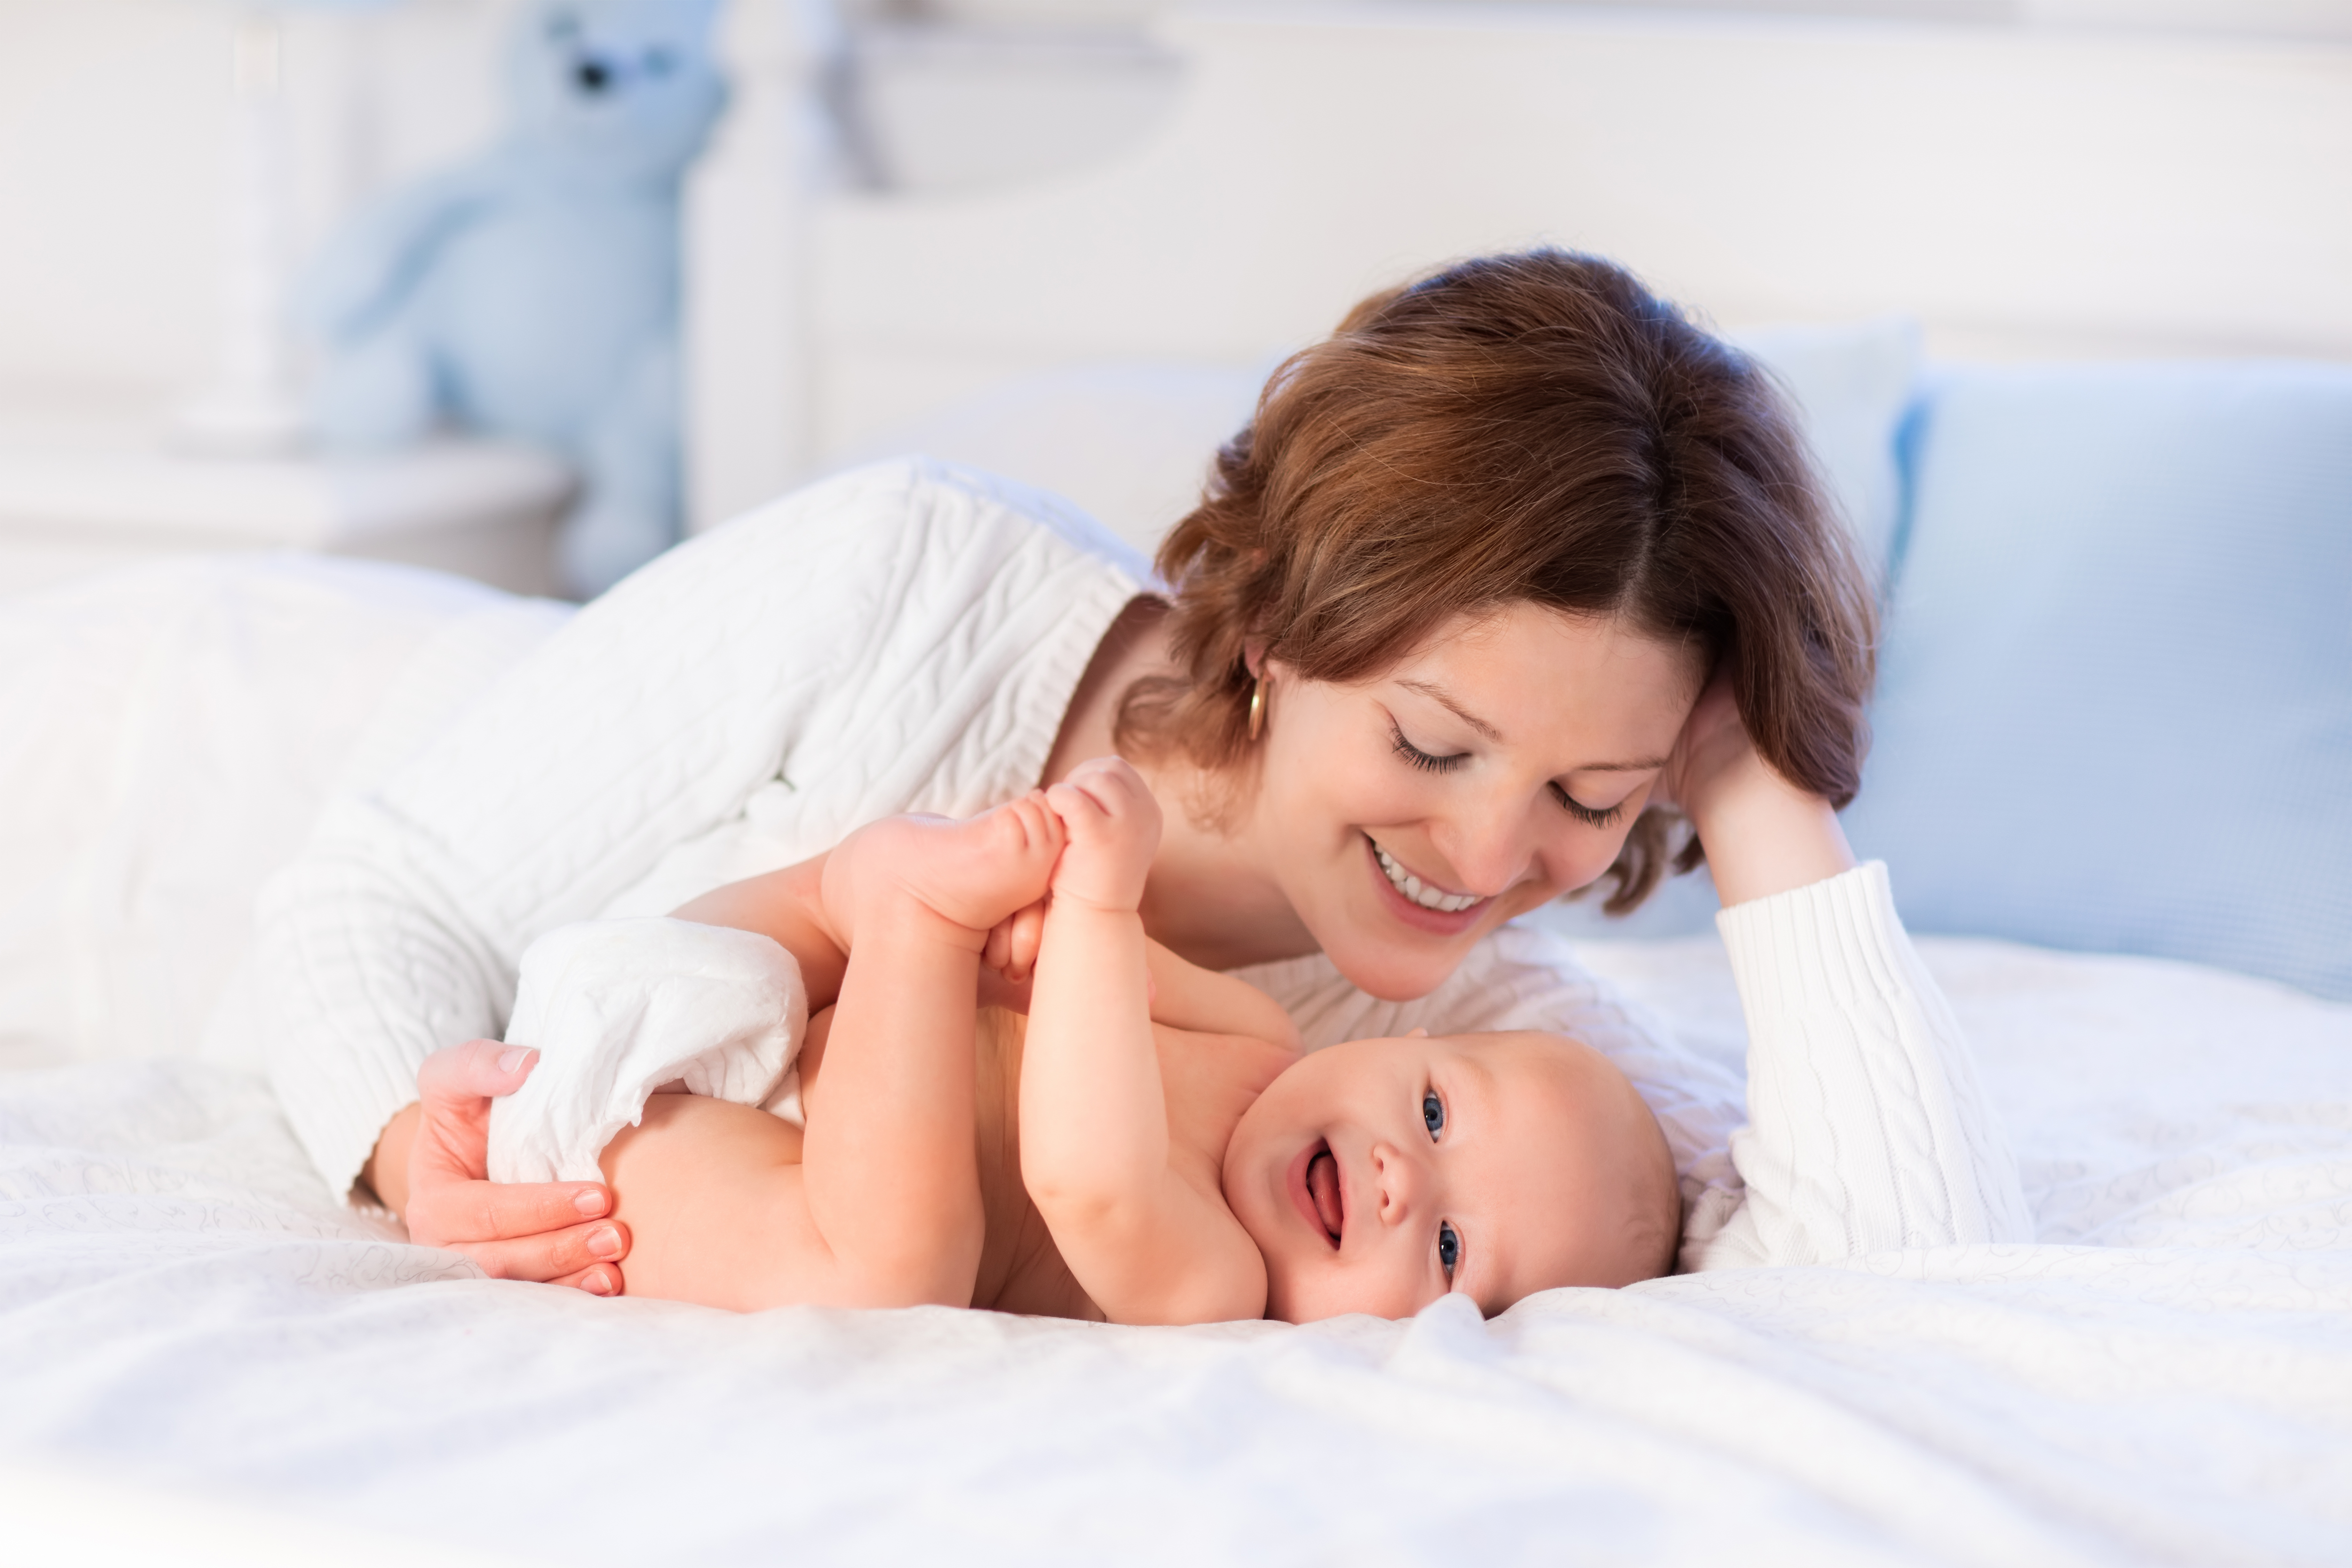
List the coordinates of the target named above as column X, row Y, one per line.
column 1434, row 638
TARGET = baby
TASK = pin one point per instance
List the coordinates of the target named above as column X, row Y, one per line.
column 1152, row 1148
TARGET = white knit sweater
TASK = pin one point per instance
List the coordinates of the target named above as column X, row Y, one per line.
column 908, row 637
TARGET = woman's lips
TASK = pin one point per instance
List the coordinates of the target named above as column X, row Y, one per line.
column 1443, row 923
column 1315, row 1182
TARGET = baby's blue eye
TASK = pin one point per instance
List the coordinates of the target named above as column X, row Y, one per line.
column 1433, row 1112
column 1449, row 1249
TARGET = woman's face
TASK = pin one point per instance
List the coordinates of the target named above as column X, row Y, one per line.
column 1496, row 767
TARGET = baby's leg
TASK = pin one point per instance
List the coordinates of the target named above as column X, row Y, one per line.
column 889, row 1170
column 877, row 1202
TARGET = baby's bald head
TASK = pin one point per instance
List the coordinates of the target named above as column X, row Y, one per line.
column 1619, row 1211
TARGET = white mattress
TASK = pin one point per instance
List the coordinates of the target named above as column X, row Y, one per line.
column 2168, row 1379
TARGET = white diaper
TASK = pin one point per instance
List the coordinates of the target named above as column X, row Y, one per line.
column 620, row 1009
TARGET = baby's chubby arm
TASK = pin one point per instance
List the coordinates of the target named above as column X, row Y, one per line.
column 1148, row 1241
column 1201, row 1001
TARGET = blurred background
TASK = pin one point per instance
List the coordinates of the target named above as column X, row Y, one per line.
column 113, row 113
column 136, row 269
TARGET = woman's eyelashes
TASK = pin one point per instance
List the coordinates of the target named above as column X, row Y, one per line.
column 1430, row 762
column 1416, row 757
column 1591, row 816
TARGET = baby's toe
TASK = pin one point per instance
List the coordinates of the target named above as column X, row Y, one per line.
column 1029, row 827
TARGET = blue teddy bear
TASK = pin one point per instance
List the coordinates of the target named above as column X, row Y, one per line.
column 533, row 292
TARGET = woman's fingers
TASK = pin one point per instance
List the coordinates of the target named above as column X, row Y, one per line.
column 603, row 1279
column 542, row 1230
column 559, row 1255
column 455, row 1213
column 454, row 1090
column 476, row 1071
column 1711, row 735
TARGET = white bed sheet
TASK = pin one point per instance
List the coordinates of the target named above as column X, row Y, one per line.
column 2168, row 1380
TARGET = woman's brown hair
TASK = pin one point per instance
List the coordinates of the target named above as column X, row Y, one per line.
column 1533, row 427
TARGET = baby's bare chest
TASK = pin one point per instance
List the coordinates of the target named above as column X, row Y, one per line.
column 1208, row 1081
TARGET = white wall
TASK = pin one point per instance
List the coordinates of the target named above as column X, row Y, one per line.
column 113, row 112
column 113, row 115
column 2295, row 18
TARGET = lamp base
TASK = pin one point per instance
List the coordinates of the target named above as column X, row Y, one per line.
column 230, row 422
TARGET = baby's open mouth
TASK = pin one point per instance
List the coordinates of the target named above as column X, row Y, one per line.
column 1323, row 1187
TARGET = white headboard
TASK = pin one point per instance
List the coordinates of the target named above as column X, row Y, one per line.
column 2019, row 190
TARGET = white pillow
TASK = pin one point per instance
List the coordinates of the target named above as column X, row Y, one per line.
column 1130, row 442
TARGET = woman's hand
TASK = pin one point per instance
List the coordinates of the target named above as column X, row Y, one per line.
column 431, row 1168
column 1763, row 834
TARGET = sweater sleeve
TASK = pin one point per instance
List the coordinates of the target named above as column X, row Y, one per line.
column 899, row 636
column 1867, row 1128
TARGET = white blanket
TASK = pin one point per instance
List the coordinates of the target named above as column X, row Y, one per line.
column 2167, row 1379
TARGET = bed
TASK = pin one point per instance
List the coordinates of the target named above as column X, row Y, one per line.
column 203, row 1352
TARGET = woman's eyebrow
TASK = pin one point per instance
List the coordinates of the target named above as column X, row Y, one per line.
column 1643, row 765
column 1439, row 695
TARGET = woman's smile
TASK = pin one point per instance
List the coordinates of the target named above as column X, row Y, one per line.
column 1423, row 891
column 1416, row 902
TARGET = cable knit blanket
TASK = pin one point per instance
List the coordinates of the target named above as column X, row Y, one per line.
column 2165, row 1378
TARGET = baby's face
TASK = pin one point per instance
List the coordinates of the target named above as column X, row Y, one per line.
column 1377, row 1175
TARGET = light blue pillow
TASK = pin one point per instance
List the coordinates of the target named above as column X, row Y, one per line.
column 2115, row 707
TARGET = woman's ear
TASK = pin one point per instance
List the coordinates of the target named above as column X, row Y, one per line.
column 1254, row 656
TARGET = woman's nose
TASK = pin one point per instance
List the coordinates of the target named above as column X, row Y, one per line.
column 1400, row 1182
column 1499, row 844
column 1489, row 849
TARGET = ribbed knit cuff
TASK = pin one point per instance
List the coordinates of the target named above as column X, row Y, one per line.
column 1821, row 944
column 1868, row 1128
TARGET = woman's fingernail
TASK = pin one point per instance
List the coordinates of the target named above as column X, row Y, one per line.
column 514, row 1056
column 604, row 1242
column 596, row 1282
column 589, row 1202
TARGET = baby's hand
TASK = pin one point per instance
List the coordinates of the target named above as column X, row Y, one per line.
column 1113, row 825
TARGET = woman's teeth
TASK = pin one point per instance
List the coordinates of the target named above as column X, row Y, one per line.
column 1412, row 887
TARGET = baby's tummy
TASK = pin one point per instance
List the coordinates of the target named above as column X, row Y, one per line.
column 1021, row 1269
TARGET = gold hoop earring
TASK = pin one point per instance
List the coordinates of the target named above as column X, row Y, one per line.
column 1257, row 709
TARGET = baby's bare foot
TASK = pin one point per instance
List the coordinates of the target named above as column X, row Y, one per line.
column 1113, row 826
column 972, row 874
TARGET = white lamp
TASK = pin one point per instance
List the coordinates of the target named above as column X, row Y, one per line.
column 253, row 407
